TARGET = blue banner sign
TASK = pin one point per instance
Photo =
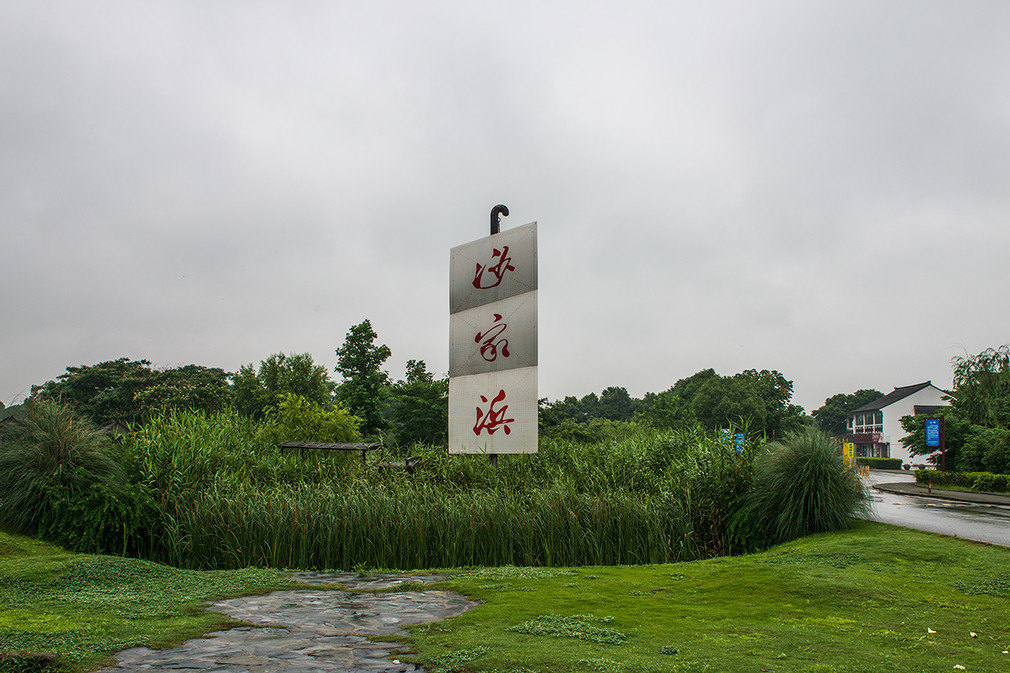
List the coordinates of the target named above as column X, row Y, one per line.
column 932, row 432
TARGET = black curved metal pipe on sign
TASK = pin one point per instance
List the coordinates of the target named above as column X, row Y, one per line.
column 496, row 212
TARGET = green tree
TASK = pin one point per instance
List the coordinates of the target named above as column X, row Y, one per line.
column 360, row 361
column 981, row 392
column 688, row 387
column 616, row 404
column 188, row 388
column 418, row 408
column 775, row 392
column 103, row 392
column 758, row 399
column 589, row 407
column 722, row 402
column 666, row 411
column 986, row 450
column 255, row 392
column 131, row 391
column 831, row 417
column 556, row 413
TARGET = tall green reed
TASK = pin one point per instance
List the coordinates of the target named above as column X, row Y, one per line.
column 316, row 527
column 225, row 497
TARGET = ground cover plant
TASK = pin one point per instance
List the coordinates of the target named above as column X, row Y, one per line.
column 875, row 598
column 85, row 607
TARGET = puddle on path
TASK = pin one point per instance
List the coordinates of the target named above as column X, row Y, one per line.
column 307, row 630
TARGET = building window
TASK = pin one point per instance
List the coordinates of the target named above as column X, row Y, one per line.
column 867, row 423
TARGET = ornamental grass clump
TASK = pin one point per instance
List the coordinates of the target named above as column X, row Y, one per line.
column 801, row 486
column 45, row 457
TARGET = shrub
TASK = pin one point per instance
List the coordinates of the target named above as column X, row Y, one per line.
column 49, row 456
column 298, row 419
column 99, row 517
column 801, row 486
column 880, row 463
column 984, row 482
column 593, row 431
column 975, row 481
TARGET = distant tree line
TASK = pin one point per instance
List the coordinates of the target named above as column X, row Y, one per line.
column 289, row 390
column 292, row 387
column 757, row 401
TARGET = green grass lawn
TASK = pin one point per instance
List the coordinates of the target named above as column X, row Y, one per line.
column 859, row 600
column 85, row 607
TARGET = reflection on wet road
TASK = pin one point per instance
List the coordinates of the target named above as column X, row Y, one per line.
column 984, row 523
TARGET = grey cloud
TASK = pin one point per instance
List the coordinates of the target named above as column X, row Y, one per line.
column 818, row 189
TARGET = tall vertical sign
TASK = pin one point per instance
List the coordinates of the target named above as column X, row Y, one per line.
column 493, row 344
column 933, row 432
column 849, row 454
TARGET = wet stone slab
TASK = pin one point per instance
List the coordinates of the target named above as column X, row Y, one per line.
column 312, row 630
column 334, row 613
column 356, row 582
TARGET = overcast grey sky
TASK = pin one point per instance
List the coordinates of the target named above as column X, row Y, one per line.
column 821, row 188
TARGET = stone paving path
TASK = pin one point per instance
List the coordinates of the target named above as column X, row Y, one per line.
column 307, row 630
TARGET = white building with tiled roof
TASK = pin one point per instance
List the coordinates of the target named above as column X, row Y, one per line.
column 875, row 428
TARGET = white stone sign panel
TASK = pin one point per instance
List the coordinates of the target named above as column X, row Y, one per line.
column 493, row 344
column 493, row 268
column 494, row 337
column 494, row 412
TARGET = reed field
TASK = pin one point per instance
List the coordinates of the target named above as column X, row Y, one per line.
column 225, row 499
column 214, row 492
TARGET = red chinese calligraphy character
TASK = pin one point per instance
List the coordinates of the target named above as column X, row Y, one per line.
column 489, row 349
column 498, row 270
column 494, row 419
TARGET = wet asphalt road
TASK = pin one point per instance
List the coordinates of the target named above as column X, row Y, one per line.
column 984, row 523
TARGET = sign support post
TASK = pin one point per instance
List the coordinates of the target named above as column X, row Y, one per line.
column 943, row 445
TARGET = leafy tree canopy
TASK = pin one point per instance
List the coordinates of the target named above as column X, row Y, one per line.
column 254, row 391
column 831, row 417
column 687, row 388
column 666, row 411
column 616, row 404
column 359, row 361
column 418, row 410
column 759, row 400
column 723, row 402
column 130, row 391
column 981, row 392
